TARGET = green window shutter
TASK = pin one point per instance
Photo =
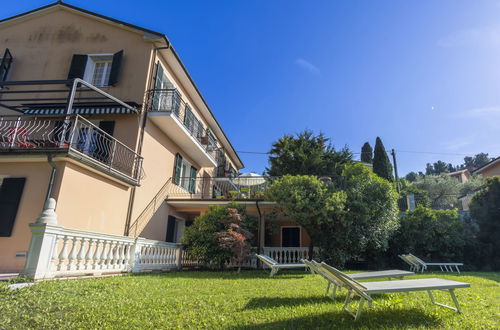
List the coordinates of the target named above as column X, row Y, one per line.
column 11, row 191
column 77, row 68
column 5, row 65
column 177, row 169
column 115, row 68
column 192, row 180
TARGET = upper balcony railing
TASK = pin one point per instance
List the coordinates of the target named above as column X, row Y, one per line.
column 74, row 135
column 253, row 187
column 48, row 122
column 170, row 101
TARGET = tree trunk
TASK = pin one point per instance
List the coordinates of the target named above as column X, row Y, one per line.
column 311, row 249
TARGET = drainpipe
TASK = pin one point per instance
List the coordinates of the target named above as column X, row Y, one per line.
column 139, row 147
column 261, row 230
column 52, row 176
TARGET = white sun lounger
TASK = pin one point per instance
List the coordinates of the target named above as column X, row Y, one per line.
column 420, row 265
column 275, row 266
column 414, row 267
column 365, row 289
column 388, row 274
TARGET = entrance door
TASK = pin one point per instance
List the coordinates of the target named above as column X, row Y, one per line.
column 171, row 227
column 290, row 236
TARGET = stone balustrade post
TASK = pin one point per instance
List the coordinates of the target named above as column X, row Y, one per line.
column 43, row 239
column 135, row 256
column 179, row 257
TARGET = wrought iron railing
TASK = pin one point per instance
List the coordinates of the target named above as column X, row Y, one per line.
column 170, row 101
column 72, row 134
column 218, row 188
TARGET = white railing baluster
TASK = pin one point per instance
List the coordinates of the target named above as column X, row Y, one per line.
column 63, row 256
column 92, row 253
column 109, row 256
column 72, row 255
column 81, row 254
column 55, row 255
column 102, row 257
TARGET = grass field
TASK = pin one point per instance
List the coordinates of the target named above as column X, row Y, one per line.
column 251, row 300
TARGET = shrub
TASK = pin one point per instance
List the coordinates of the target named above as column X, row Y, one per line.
column 430, row 234
column 355, row 212
column 369, row 218
column 485, row 210
column 420, row 196
column 218, row 236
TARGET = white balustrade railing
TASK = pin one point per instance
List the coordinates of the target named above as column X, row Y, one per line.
column 156, row 255
column 56, row 251
column 288, row 255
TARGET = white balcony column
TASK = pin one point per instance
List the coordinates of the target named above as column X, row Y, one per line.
column 44, row 234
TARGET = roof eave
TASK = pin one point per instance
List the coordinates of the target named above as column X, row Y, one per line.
column 148, row 34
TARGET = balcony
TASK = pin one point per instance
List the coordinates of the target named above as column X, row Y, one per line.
column 173, row 116
column 74, row 136
column 49, row 123
column 210, row 188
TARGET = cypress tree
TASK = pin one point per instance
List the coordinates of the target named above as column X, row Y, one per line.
column 367, row 153
column 381, row 164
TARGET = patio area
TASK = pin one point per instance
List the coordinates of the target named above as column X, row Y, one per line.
column 250, row 300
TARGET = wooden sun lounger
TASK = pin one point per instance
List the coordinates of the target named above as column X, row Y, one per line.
column 388, row 274
column 275, row 266
column 365, row 289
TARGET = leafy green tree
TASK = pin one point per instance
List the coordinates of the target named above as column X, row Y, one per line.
column 438, row 168
column 367, row 153
column 306, row 154
column 441, row 167
column 477, row 161
column 485, row 209
column 470, row 186
column 355, row 212
column 412, row 176
column 429, row 169
column 208, row 238
column 370, row 216
column 435, row 235
column 381, row 164
column 470, row 163
column 443, row 191
column 420, row 196
column 309, row 202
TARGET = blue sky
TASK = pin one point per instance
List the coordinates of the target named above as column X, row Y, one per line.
column 422, row 75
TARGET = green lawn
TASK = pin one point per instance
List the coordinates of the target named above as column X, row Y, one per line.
column 290, row 300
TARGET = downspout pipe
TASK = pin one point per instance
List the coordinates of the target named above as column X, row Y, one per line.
column 144, row 120
column 52, row 176
column 261, row 234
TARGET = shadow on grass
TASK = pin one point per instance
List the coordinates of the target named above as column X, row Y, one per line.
column 492, row 276
column 270, row 302
column 395, row 318
column 226, row 275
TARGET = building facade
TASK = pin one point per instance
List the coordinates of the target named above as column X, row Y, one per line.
column 102, row 116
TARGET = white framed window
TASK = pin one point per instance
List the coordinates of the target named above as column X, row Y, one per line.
column 185, row 174
column 98, row 69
